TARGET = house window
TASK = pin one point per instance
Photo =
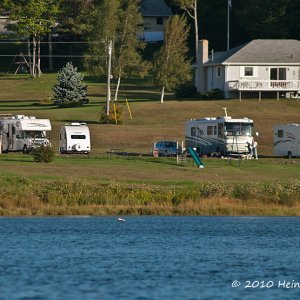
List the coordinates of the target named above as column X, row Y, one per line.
column 248, row 71
column 218, row 71
column 280, row 133
column 278, row 73
column 159, row 21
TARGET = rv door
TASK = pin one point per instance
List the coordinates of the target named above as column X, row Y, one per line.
column 10, row 136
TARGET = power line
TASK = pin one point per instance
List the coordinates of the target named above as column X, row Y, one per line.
column 74, row 56
column 68, row 42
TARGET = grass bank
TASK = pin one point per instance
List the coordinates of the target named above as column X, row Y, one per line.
column 24, row 197
column 189, row 192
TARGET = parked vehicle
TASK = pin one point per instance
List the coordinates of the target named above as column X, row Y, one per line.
column 74, row 138
column 287, row 140
column 219, row 135
column 23, row 133
column 166, row 148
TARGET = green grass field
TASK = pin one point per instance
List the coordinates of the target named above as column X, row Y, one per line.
column 152, row 121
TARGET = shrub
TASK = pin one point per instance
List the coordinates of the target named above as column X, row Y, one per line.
column 115, row 114
column 43, row 154
column 215, row 94
column 186, row 90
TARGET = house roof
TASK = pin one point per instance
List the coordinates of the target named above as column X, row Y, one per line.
column 260, row 51
column 155, row 8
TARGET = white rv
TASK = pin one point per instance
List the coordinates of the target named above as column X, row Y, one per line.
column 23, row 133
column 74, row 138
column 287, row 140
column 219, row 135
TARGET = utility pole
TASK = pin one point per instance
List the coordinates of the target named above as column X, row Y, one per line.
column 108, row 97
column 228, row 23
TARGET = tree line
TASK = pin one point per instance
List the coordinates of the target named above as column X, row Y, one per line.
column 119, row 22
column 251, row 19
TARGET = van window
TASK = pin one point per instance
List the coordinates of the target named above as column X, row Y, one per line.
column 78, row 137
column 280, row 133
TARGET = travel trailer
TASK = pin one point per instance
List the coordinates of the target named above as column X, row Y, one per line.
column 23, row 133
column 287, row 140
column 74, row 138
column 219, row 136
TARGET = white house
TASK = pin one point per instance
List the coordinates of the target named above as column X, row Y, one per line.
column 260, row 67
column 155, row 14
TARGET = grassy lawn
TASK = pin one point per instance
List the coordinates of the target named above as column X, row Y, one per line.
column 152, row 121
column 148, row 170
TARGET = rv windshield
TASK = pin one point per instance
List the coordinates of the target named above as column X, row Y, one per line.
column 34, row 134
column 238, row 129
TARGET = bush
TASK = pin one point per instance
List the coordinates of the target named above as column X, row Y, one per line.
column 186, row 90
column 215, row 94
column 114, row 117
column 70, row 104
column 43, row 154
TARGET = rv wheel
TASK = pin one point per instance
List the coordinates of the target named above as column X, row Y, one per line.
column 25, row 150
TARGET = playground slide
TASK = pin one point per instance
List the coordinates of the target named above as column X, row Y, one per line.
column 196, row 158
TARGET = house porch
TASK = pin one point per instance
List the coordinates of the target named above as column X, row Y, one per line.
column 290, row 87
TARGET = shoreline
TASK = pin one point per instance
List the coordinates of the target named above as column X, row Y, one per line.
column 224, row 208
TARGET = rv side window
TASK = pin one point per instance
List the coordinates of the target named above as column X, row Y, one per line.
column 20, row 135
column 211, row 130
column 221, row 130
column 280, row 133
column 193, row 131
column 77, row 137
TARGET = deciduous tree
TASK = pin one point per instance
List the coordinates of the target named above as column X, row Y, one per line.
column 191, row 9
column 172, row 67
column 33, row 19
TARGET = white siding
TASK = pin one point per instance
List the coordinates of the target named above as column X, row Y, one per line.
column 214, row 80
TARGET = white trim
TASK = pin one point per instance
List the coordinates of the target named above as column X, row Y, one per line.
column 261, row 64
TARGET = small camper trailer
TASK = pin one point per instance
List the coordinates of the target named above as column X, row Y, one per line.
column 23, row 133
column 287, row 140
column 219, row 135
column 74, row 138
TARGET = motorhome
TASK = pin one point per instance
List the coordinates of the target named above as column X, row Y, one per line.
column 287, row 140
column 23, row 133
column 219, row 136
column 74, row 138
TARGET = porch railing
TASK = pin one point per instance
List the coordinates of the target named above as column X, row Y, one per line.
column 263, row 85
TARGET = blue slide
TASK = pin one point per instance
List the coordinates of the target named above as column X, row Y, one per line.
column 196, row 158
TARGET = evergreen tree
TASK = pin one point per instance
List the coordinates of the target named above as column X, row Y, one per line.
column 70, row 88
column 171, row 66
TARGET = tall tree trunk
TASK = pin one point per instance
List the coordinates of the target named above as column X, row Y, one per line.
column 162, row 95
column 196, row 47
column 29, row 57
column 34, row 56
column 50, row 51
column 39, row 57
column 117, row 88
